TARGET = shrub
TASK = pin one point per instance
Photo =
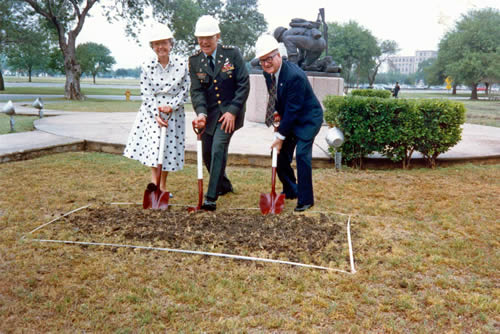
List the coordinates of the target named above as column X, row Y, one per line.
column 441, row 127
column 384, row 94
column 394, row 127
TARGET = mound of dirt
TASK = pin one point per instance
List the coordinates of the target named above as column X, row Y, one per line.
column 319, row 239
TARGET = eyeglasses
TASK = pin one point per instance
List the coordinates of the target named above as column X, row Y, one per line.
column 268, row 59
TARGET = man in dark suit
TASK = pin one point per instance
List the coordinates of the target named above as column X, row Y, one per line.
column 219, row 90
column 301, row 118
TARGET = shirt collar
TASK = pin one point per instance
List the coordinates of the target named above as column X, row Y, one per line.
column 277, row 74
column 213, row 54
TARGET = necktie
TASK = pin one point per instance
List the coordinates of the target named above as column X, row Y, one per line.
column 271, row 103
column 211, row 62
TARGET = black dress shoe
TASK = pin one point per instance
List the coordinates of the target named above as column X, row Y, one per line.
column 225, row 191
column 301, row 208
column 209, row 206
column 289, row 197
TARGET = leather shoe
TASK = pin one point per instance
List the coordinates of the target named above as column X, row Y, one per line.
column 301, row 208
column 289, row 197
column 225, row 191
column 209, row 206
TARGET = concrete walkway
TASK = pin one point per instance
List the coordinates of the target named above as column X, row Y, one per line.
column 63, row 131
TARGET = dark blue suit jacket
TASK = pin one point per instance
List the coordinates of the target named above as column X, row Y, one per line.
column 299, row 108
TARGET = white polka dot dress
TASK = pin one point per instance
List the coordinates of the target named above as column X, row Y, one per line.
column 160, row 86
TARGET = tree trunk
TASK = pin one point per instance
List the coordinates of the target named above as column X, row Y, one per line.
column 93, row 77
column 2, row 84
column 454, row 91
column 487, row 85
column 29, row 74
column 473, row 95
column 73, row 72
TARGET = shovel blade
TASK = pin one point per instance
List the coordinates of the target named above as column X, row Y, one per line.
column 155, row 198
column 271, row 203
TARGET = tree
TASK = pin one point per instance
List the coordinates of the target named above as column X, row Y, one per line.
column 67, row 18
column 28, row 53
column 128, row 72
column 239, row 20
column 9, row 29
column 94, row 58
column 352, row 46
column 386, row 49
column 242, row 24
column 470, row 52
column 56, row 60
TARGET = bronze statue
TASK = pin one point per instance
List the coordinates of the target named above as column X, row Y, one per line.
column 305, row 43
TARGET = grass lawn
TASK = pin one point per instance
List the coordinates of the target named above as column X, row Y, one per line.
column 22, row 123
column 95, row 105
column 98, row 105
column 60, row 91
column 426, row 245
column 62, row 80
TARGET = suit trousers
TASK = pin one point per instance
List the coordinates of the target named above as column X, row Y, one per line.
column 215, row 151
column 300, row 187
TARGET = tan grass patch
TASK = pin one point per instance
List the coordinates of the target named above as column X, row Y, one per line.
column 426, row 246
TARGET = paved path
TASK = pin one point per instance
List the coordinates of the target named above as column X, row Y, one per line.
column 108, row 132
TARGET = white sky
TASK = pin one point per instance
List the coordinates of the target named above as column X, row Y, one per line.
column 413, row 24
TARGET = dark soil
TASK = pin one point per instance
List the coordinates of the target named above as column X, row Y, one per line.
column 318, row 239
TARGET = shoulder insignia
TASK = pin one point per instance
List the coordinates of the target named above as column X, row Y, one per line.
column 195, row 54
column 228, row 47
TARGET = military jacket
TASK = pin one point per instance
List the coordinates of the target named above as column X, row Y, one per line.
column 225, row 89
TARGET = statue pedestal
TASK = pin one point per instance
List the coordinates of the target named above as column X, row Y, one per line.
column 322, row 85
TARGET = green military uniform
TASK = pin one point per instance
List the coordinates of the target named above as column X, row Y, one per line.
column 214, row 92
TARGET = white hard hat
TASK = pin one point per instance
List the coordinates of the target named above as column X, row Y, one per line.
column 265, row 44
column 206, row 26
column 160, row 32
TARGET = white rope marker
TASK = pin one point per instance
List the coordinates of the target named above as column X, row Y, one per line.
column 231, row 256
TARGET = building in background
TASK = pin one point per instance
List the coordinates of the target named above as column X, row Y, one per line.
column 409, row 64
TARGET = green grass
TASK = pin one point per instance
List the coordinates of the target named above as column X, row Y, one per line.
column 22, row 123
column 431, row 95
column 62, row 80
column 98, row 105
column 483, row 112
column 60, row 91
column 95, row 105
column 425, row 243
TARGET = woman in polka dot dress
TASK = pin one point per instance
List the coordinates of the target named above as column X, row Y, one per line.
column 164, row 89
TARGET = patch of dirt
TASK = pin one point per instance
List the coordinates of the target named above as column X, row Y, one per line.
column 290, row 237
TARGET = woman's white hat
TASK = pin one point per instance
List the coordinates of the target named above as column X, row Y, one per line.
column 160, row 32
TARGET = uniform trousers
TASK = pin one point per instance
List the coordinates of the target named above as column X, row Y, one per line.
column 215, row 151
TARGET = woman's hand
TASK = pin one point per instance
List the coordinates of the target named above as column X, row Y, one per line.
column 165, row 109
column 161, row 121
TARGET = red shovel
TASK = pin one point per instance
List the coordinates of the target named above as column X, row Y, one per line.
column 154, row 198
column 200, row 168
column 272, row 203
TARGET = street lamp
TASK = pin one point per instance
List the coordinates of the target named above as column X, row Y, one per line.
column 38, row 104
column 335, row 138
column 8, row 109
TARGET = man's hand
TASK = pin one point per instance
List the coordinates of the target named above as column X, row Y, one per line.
column 200, row 122
column 227, row 120
column 277, row 143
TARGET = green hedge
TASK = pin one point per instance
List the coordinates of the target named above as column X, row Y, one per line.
column 395, row 127
column 384, row 94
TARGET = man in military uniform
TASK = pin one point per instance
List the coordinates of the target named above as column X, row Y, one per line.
column 219, row 90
